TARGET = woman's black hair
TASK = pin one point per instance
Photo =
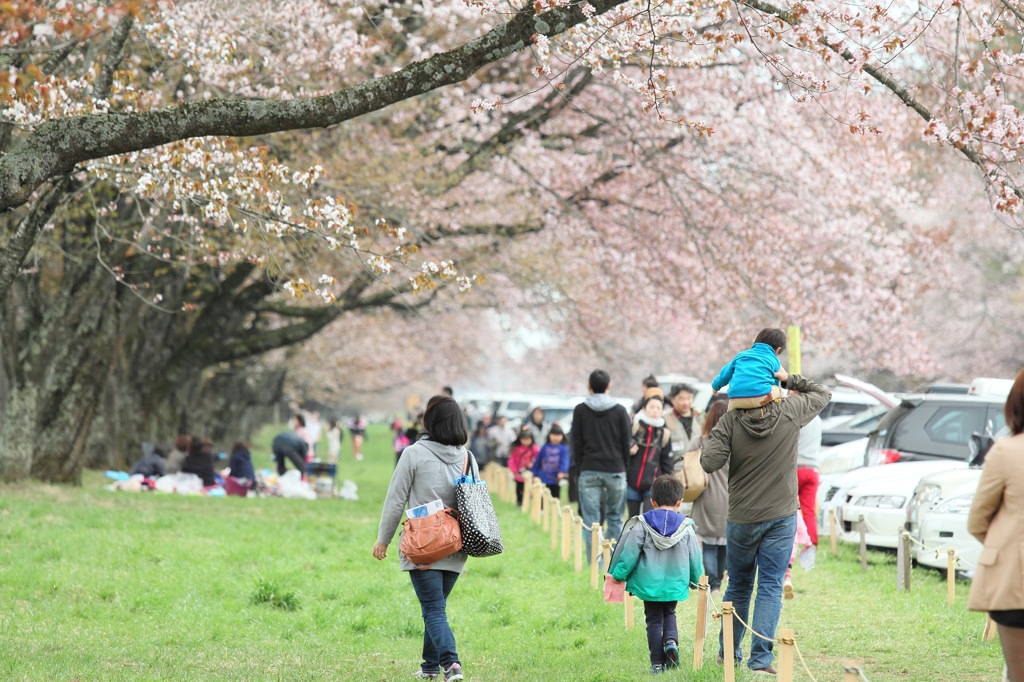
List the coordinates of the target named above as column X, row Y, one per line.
column 443, row 421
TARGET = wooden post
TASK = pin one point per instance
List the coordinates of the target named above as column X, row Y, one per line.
column 595, row 551
column 628, row 603
column 863, row 544
column 702, row 622
column 556, row 513
column 538, row 499
column 728, row 646
column 833, row 530
column 906, row 563
column 990, row 629
column 566, row 532
column 901, row 584
column 578, row 527
column 786, row 644
column 511, row 481
column 606, row 554
column 950, row 576
column 851, row 672
column 527, row 492
column 545, row 509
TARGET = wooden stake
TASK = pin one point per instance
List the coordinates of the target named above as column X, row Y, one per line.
column 702, row 622
column 901, row 578
column 629, row 611
column 527, row 492
column 850, row 672
column 728, row 646
column 537, row 497
column 950, row 576
column 786, row 644
column 906, row 563
column 595, row 549
column 833, row 530
column 990, row 629
column 545, row 509
column 556, row 514
column 863, row 544
column 511, row 481
column 606, row 554
column 578, row 527
column 567, row 524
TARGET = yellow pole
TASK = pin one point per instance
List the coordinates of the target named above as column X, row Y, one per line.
column 595, row 554
column 577, row 523
column 786, row 647
column 950, row 576
column 793, row 343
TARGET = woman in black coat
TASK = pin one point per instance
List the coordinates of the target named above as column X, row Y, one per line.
column 200, row 461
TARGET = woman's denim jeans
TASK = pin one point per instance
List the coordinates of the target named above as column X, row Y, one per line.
column 432, row 589
column 761, row 548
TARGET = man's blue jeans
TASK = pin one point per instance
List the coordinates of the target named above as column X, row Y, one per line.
column 762, row 549
column 432, row 589
column 592, row 485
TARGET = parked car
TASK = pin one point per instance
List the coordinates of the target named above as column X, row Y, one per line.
column 881, row 493
column 883, row 501
column 854, row 428
column 838, row 459
column 937, row 513
column 946, row 388
column 933, row 426
column 704, row 390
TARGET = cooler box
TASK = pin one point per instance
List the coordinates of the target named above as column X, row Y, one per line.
column 320, row 476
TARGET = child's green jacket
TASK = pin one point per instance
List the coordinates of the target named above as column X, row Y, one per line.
column 658, row 556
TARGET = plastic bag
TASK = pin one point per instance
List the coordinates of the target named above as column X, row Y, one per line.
column 182, row 483
column 347, row 491
column 291, row 485
column 614, row 591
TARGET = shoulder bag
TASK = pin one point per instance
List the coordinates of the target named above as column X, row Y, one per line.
column 481, row 535
column 431, row 538
column 689, row 471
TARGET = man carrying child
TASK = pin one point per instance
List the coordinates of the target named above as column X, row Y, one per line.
column 760, row 444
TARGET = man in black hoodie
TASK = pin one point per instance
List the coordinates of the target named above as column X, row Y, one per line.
column 599, row 445
column 760, row 445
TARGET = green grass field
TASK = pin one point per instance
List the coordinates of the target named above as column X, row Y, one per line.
column 100, row 585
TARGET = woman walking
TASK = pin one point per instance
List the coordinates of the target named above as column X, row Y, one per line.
column 997, row 519
column 711, row 509
column 426, row 472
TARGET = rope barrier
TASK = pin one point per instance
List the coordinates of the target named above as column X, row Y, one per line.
column 718, row 613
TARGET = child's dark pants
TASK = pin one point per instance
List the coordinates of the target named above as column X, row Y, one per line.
column 661, row 627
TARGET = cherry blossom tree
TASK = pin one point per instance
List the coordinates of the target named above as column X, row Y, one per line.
column 632, row 173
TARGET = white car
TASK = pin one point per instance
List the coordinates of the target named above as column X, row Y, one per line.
column 880, row 493
column 937, row 518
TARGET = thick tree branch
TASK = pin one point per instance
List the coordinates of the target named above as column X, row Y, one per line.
column 115, row 53
column 24, row 237
column 58, row 145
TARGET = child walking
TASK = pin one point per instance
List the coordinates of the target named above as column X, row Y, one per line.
column 752, row 374
column 659, row 559
column 650, row 455
column 552, row 463
column 521, row 458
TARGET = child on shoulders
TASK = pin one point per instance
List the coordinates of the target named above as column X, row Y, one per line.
column 752, row 374
column 659, row 559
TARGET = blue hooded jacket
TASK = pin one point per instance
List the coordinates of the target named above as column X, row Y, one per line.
column 751, row 373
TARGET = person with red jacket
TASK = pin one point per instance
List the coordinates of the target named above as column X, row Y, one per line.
column 521, row 458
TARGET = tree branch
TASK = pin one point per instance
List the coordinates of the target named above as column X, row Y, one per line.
column 58, row 145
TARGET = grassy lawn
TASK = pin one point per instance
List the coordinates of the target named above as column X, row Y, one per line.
column 100, row 585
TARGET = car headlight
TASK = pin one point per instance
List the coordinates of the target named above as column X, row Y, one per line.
column 956, row 505
column 922, row 499
column 881, row 501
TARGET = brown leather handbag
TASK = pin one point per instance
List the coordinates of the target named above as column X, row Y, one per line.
column 431, row 538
